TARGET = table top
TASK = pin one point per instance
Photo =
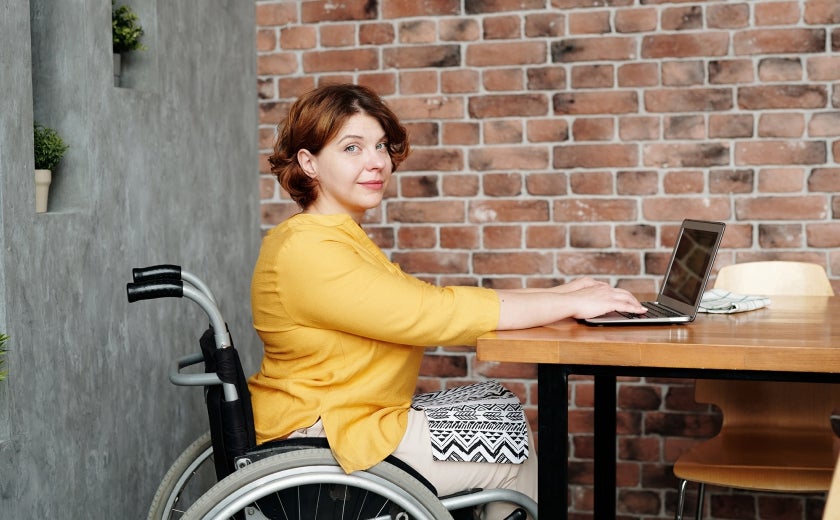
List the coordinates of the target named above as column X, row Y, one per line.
column 793, row 334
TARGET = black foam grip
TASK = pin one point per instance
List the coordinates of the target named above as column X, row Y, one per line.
column 151, row 290
column 156, row 272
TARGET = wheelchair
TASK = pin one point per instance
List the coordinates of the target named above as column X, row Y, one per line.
column 225, row 474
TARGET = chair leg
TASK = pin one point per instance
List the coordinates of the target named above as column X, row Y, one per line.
column 681, row 500
column 701, row 490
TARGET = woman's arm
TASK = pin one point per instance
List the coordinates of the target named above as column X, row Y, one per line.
column 586, row 299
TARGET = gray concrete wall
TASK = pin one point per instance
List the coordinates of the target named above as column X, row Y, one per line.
column 161, row 170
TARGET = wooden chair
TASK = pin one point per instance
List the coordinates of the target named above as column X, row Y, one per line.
column 832, row 501
column 775, row 436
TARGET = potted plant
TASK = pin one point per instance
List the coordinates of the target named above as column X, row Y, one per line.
column 3, row 371
column 126, row 33
column 49, row 149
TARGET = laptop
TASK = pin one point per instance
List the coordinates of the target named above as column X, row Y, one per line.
column 688, row 271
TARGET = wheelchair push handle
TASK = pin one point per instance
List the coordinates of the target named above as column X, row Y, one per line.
column 151, row 290
column 156, row 272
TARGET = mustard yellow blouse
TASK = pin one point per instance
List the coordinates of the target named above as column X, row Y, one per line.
column 344, row 331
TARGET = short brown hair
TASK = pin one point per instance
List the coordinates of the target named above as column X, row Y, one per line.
column 314, row 119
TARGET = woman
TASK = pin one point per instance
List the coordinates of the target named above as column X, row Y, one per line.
column 345, row 329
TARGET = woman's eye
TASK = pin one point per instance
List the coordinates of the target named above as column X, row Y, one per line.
column 352, row 148
column 382, row 146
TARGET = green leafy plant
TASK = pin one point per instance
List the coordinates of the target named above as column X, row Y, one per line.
column 3, row 371
column 49, row 148
column 126, row 29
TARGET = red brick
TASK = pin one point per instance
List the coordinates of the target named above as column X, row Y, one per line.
column 431, row 159
column 776, row 236
column 781, row 124
column 823, row 235
column 632, row 128
column 637, row 182
column 425, row 211
column 509, row 158
column 580, row 263
column 590, row 236
column 544, row 25
column 459, row 237
column 460, row 133
column 684, row 127
column 685, row 45
column 461, row 185
column 418, row 185
column 730, row 125
column 824, row 124
column 635, row 20
column 681, row 18
column 780, row 152
column 592, row 76
column 508, row 53
column 376, row 34
column 278, row 64
column 638, row 75
column 596, row 156
column 780, row 180
column 808, row 207
column 512, row 263
column 547, row 130
column 693, row 155
column 417, row 31
column 276, row 14
column 420, row 56
column 544, row 78
column 418, row 82
column 508, row 211
column 593, row 129
column 782, row 96
column 722, row 72
column 780, row 69
column 640, row 236
column 776, row 13
column 688, row 100
column 340, row 60
column 545, row 237
column 677, row 208
column 503, row 80
column 591, row 183
column 602, row 48
column 731, row 181
column 459, row 81
column 823, row 68
column 501, row 105
column 602, row 102
column 594, row 210
column 416, row 237
column 426, row 107
column 501, row 27
column 779, row 41
column 314, row 11
column 683, row 73
column 724, row 16
column 822, row 12
column 502, row 184
column 824, row 179
column 457, row 29
column 546, row 183
column 589, row 22
column 266, row 40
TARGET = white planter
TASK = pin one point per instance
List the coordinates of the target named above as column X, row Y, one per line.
column 42, row 189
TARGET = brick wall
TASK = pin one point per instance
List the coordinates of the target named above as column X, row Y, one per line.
column 560, row 138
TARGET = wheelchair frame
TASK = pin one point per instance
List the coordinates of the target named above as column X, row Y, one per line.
column 255, row 472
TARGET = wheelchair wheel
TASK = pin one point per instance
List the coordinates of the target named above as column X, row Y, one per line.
column 192, row 474
column 308, row 484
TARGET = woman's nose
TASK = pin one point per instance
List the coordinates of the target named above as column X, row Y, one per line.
column 377, row 159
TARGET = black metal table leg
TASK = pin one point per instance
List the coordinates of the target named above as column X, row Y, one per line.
column 553, row 390
column 605, row 446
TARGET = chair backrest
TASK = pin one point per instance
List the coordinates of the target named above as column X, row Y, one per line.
column 757, row 403
column 774, row 278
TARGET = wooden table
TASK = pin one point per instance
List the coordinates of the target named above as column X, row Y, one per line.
column 794, row 339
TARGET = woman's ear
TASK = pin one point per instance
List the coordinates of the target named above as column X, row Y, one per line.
column 307, row 162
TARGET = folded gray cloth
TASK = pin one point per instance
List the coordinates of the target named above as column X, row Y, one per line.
column 721, row 301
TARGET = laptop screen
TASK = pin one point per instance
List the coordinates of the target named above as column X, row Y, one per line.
column 690, row 265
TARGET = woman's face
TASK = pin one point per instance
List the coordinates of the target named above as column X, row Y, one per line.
column 352, row 170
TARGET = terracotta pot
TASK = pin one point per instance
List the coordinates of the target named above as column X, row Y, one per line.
column 42, row 189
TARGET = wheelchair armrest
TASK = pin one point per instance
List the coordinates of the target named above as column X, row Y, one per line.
column 199, row 379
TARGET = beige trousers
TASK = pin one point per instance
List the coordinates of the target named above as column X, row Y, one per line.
column 415, row 449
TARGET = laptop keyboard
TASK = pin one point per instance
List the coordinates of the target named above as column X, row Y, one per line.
column 653, row 311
